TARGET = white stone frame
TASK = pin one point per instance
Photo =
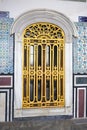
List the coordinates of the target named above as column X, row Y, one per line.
column 43, row 15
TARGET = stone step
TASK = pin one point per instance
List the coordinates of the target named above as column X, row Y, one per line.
column 43, row 125
column 80, row 124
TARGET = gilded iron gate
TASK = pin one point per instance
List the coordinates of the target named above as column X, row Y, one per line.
column 43, row 66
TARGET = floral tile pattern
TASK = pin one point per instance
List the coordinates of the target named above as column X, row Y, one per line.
column 80, row 49
column 6, row 44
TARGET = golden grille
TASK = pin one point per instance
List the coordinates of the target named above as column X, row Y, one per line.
column 43, row 66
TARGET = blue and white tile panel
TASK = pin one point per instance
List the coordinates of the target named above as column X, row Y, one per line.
column 6, row 44
column 80, row 49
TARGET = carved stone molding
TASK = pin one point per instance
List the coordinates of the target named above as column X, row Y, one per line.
column 45, row 15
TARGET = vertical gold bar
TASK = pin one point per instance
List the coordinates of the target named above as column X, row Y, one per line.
column 64, row 71
column 44, row 75
column 59, row 97
column 57, row 70
column 37, row 75
column 46, row 55
column 52, row 60
column 29, row 72
column 59, row 75
column 23, row 72
column 45, row 71
column 36, row 72
column 50, row 73
column 61, row 86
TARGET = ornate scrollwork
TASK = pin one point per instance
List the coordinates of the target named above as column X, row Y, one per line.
column 43, row 66
column 40, row 29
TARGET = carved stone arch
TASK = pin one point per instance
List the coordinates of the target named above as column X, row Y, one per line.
column 54, row 17
column 45, row 15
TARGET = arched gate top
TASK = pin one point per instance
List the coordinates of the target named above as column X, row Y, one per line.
column 45, row 15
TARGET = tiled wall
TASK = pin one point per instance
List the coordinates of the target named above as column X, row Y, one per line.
column 80, row 71
column 6, row 67
column 80, row 49
column 6, row 44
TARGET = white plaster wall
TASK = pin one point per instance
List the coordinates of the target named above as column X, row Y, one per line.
column 69, row 8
